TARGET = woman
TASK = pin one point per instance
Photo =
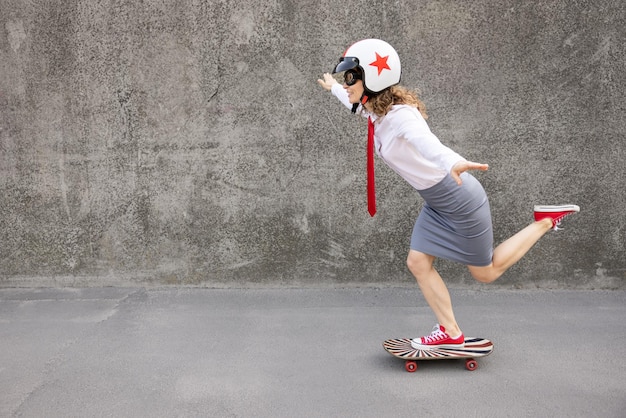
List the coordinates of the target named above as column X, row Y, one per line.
column 455, row 221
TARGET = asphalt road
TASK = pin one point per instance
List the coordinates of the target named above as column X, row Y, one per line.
column 186, row 352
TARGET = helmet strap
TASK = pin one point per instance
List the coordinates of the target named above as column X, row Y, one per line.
column 363, row 100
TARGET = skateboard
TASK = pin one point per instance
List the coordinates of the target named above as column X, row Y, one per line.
column 474, row 347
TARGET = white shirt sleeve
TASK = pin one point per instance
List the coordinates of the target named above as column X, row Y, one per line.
column 412, row 126
column 405, row 142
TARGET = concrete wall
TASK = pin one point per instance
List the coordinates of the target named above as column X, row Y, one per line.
column 173, row 142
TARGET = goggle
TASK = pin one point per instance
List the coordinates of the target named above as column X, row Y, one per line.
column 350, row 77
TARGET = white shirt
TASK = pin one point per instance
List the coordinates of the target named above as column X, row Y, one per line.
column 406, row 144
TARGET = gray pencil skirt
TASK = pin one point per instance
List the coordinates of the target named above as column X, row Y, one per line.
column 455, row 222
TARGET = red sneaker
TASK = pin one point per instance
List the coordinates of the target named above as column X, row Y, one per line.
column 555, row 213
column 439, row 338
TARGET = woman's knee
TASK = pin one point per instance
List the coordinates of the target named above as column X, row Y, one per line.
column 486, row 274
column 419, row 263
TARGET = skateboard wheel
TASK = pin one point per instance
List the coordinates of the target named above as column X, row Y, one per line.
column 410, row 366
column 471, row 364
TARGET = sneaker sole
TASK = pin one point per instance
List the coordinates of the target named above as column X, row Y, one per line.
column 436, row 347
column 561, row 208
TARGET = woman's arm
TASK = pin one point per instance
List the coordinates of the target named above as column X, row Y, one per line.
column 330, row 84
column 417, row 133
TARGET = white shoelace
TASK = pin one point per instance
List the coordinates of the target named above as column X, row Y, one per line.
column 435, row 335
column 557, row 221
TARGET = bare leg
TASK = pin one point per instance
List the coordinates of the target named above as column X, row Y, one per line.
column 504, row 256
column 511, row 251
column 434, row 290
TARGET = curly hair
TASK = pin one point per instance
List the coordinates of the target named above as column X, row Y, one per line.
column 396, row 95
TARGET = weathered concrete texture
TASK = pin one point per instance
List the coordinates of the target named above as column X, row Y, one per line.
column 188, row 142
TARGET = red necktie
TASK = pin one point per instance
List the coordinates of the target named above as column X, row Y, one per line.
column 371, row 189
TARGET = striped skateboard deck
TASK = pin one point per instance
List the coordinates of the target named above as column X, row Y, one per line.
column 474, row 347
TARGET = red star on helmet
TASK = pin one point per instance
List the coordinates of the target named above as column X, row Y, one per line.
column 381, row 63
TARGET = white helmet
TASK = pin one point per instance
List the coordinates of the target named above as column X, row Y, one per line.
column 378, row 61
